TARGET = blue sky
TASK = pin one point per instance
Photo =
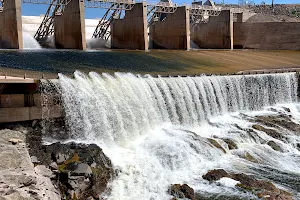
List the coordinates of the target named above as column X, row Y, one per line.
column 91, row 13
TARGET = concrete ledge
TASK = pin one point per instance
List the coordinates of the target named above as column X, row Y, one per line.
column 28, row 113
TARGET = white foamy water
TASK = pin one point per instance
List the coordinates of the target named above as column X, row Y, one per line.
column 29, row 42
column 156, row 130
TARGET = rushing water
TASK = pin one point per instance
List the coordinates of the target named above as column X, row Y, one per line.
column 29, row 42
column 155, row 130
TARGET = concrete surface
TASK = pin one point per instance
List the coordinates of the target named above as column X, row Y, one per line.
column 20, row 179
column 11, row 25
column 28, row 113
column 267, row 36
column 69, row 28
column 173, row 32
column 131, row 31
column 216, row 34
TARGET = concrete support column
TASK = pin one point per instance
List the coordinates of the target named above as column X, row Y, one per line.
column 231, row 28
column 69, row 28
column 11, row 36
column 216, row 34
column 173, row 32
column 131, row 31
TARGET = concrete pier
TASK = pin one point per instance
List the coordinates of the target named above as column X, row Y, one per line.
column 131, row 31
column 20, row 100
column 69, row 28
column 216, row 34
column 173, row 32
column 11, row 25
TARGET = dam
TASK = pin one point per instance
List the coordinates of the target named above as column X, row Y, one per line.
column 128, row 24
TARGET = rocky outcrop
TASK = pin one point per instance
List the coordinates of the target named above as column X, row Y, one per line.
column 182, row 191
column 19, row 178
column 82, row 170
column 262, row 189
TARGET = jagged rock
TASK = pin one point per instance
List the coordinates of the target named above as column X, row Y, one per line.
column 53, row 166
column 274, row 146
column 271, row 132
column 263, row 189
column 215, row 175
column 182, row 191
column 249, row 157
column 82, row 170
column 230, row 143
column 216, row 144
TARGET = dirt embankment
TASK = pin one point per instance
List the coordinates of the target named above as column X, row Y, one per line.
column 269, row 13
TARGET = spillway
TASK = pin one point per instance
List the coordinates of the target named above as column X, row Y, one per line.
column 156, row 131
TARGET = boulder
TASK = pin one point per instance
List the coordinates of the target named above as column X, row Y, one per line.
column 261, row 188
column 230, row 143
column 215, row 175
column 82, row 170
column 216, row 144
column 182, row 191
column 271, row 132
column 274, row 146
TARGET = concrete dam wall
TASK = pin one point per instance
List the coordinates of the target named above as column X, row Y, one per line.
column 267, row 36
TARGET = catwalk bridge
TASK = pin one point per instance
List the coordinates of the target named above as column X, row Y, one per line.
column 128, row 23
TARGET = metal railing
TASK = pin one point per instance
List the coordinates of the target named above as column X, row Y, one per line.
column 110, row 4
column 49, row 2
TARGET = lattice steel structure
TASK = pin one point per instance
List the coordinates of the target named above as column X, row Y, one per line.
column 155, row 12
column 103, row 28
column 158, row 11
column 49, row 2
column 46, row 28
column 110, row 4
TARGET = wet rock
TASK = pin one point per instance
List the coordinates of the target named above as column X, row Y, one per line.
column 279, row 121
column 182, row 191
column 216, row 144
column 262, row 189
column 271, row 132
column 215, row 175
column 274, row 146
column 82, row 170
column 53, row 166
column 230, row 143
column 249, row 157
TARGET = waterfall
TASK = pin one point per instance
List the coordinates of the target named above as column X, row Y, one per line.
column 156, row 130
column 125, row 105
column 29, row 42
